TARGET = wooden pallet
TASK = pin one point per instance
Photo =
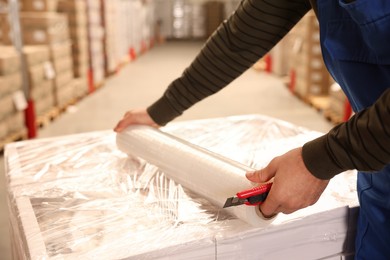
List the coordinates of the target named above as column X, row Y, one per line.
column 71, row 102
column 99, row 85
column 320, row 103
column 14, row 137
column 48, row 117
column 333, row 117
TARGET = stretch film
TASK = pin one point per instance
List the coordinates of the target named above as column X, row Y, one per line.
column 80, row 197
column 208, row 174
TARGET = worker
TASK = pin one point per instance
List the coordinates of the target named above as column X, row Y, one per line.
column 355, row 42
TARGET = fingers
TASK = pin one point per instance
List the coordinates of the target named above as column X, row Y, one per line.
column 262, row 175
column 122, row 124
column 270, row 207
column 132, row 117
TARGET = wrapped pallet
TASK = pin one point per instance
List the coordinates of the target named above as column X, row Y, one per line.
column 51, row 29
column 198, row 21
column 80, row 197
column 310, row 76
column 339, row 108
column 95, row 43
column 110, row 10
column 41, row 79
column 214, row 16
column 182, row 18
column 76, row 12
column 38, row 5
column 11, row 116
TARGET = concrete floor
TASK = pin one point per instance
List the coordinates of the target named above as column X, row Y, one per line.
column 141, row 82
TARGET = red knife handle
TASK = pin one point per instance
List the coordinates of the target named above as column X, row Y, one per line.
column 254, row 191
column 257, row 194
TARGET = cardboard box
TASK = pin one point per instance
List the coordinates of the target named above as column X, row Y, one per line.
column 3, row 129
column 80, row 70
column 7, row 106
column 94, row 5
column 305, row 59
column 9, row 60
column 81, row 86
column 72, row 6
column 59, row 51
column 44, row 104
column 78, row 33
column 3, row 28
column 37, row 74
column 66, row 94
column 63, row 64
column 10, row 83
column 39, row 5
column 42, row 28
column 15, row 122
column 63, row 78
column 36, row 54
column 42, row 90
column 77, row 19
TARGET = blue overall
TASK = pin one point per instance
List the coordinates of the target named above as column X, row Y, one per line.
column 355, row 41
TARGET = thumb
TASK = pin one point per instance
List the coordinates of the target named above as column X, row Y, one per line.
column 262, row 175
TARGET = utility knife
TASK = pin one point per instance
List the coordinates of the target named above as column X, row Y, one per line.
column 251, row 197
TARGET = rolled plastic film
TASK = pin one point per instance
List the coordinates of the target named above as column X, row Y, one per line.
column 210, row 175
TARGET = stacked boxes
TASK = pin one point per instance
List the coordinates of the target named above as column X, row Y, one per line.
column 137, row 25
column 96, row 36
column 338, row 109
column 163, row 16
column 182, row 18
column 51, row 29
column 214, row 16
column 76, row 12
column 63, row 67
column 311, row 76
column 148, row 24
column 41, row 28
column 3, row 27
column 38, row 5
column 230, row 7
column 279, row 56
column 41, row 78
column 110, row 21
column 198, row 21
column 124, row 42
column 11, row 119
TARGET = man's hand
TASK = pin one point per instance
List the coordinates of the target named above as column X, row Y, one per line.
column 135, row 117
column 294, row 187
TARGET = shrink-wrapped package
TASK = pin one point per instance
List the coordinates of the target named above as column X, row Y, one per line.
column 82, row 197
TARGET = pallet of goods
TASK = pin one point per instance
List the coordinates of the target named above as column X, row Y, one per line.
column 308, row 73
column 12, row 125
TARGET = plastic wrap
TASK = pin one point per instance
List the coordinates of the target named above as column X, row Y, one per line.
column 208, row 174
column 80, row 197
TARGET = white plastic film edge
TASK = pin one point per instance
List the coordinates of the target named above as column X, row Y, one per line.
column 210, row 175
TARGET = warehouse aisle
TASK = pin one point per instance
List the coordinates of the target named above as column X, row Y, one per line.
column 141, row 82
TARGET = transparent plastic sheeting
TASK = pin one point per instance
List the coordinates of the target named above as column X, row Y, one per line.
column 80, row 197
column 208, row 174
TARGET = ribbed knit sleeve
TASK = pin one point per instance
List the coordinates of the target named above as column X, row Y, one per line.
column 362, row 143
column 255, row 27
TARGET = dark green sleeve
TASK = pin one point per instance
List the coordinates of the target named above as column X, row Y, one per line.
column 362, row 143
column 239, row 42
